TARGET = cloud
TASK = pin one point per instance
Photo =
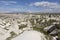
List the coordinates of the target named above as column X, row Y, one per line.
column 16, row 8
column 49, row 6
column 8, row 2
column 46, row 4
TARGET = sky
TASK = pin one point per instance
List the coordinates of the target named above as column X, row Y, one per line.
column 30, row 6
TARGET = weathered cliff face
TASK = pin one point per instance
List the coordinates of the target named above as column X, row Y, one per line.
column 30, row 35
column 25, row 27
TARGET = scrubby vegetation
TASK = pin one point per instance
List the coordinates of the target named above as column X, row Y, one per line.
column 22, row 26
